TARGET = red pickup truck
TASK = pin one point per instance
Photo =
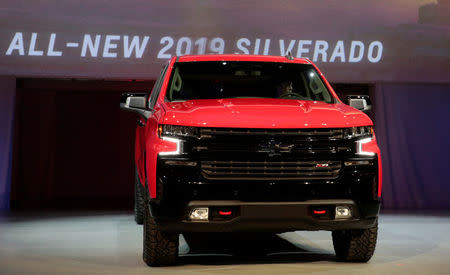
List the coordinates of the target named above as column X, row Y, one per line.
column 242, row 143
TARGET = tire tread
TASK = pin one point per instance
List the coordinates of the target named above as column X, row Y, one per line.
column 355, row 245
column 160, row 248
column 139, row 202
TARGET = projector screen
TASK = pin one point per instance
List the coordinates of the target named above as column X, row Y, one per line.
column 351, row 41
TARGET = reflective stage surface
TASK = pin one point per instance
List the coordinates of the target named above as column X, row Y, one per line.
column 104, row 243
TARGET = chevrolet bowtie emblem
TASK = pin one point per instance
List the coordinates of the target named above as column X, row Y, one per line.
column 275, row 148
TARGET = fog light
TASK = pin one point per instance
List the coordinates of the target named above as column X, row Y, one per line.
column 343, row 212
column 359, row 162
column 181, row 163
column 199, row 214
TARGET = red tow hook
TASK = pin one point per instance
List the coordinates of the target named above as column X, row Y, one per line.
column 319, row 212
column 225, row 213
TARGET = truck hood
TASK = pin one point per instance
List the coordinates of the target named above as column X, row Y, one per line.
column 262, row 113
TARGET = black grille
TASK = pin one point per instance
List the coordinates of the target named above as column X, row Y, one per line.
column 273, row 142
column 326, row 133
column 271, row 170
column 271, row 154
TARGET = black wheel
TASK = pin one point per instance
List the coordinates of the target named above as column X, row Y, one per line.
column 139, row 202
column 355, row 245
column 160, row 248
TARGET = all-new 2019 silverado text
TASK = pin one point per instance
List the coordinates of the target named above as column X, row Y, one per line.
column 241, row 143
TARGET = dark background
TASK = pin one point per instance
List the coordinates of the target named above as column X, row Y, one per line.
column 73, row 146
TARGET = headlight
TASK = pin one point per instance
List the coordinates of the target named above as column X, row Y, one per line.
column 172, row 151
column 176, row 130
column 358, row 132
column 360, row 147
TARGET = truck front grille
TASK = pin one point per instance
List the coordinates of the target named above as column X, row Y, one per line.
column 271, row 154
column 270, row 170
column 326, row 133
column 290, row 143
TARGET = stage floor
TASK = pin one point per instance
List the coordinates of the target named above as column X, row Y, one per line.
column 104, row 243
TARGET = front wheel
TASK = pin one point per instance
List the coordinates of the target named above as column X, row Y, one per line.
column 355, row 245
column 139, row 203
column 160, row 248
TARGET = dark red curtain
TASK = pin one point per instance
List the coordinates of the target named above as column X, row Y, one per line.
column 73, row 146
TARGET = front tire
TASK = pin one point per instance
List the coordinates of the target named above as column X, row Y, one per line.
column 160, row 248
column 139, row 203
column 355, row 245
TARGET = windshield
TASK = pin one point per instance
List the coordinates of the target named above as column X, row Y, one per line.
column 238, row 79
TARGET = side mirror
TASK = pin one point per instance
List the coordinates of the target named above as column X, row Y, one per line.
column 135, row 102
column 360, row 102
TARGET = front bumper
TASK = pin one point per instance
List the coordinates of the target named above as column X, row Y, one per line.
column 269, row 216
column 271, row 206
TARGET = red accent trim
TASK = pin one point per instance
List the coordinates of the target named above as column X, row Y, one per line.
column 380, row 174
column 225, row 213
column 320, row 212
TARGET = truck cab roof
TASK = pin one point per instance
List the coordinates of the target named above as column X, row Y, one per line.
column 241, row 57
